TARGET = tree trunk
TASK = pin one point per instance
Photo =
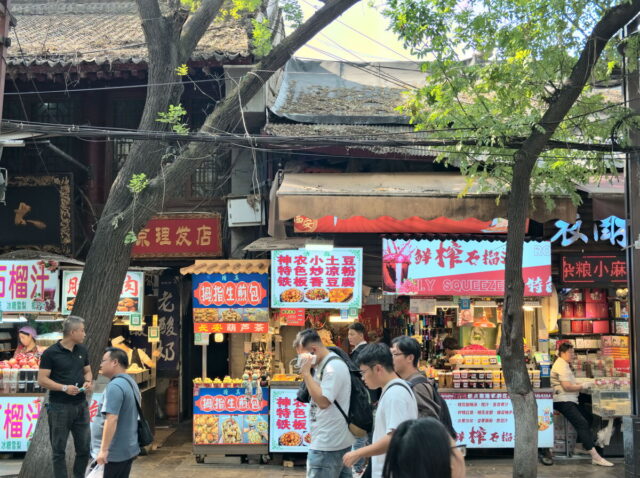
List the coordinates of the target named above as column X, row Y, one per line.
column 109, row 256
column 512, row 346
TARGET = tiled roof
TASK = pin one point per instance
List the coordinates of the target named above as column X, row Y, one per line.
column 60, row 33
column 260, row 266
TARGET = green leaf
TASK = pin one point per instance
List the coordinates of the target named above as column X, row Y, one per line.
column 130, row 238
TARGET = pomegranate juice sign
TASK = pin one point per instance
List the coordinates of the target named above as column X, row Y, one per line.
column 288, row 422
column 28, row 286
column 457, row 267
column 131, row 296
column 231, row 303
column 18, row 418
column 230, row 416
column 485, row 420
column 313, row 279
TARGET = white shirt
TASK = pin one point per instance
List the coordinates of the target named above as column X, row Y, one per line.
column 397, row 405
column 329, row 429
column 561, row 372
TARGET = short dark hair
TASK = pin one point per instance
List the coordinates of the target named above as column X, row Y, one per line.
column 408, row 346
column 450, row 343
column 118, row 355
column 564, row 347
column 408, row 457
column 358, row 327
column 306, row 337
column 376, row 354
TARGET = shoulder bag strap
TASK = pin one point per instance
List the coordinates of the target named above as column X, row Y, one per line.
column 135, row 396
column 320, row 378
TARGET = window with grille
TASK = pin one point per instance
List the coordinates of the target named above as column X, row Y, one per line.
column 126, row 114
column 211, row 180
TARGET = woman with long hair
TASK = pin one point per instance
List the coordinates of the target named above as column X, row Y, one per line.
column 423, row 448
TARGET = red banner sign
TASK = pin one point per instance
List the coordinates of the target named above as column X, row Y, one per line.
column 232, row 328
column 230, row 403
column 230, row 293
column 180, row 235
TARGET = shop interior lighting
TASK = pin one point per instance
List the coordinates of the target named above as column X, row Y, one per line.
column 485, row 303
column 337, row 319
column 218, row 338
column 48, row 318
column 14, row 319
column 318, row 245
column 531, row 305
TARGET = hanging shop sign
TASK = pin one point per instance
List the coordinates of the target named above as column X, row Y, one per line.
column 230, row 416
column 313, row 279
column 169, row 321
column 593, row 269
column 37, row 213
column 485, row 419
column 288, row 422
column 179, row 235
column 611, row 229
column 131, row 297
column 18, row 419
column 231, row 303
column 28, row 286
column 459, row 267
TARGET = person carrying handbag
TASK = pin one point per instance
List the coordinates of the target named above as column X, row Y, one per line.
column 120, row 408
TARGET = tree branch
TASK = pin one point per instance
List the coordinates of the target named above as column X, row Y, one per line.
column 196, row 26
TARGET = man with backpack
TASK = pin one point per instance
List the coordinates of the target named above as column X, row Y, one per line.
column 330, row 391
column 406, row 353
column 397, row 404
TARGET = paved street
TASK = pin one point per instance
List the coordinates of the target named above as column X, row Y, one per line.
column 174, row 460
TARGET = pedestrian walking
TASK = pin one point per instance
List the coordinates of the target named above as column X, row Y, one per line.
column 423, row 448
column 565, row 400
column 65, row 372
column 406, row 352
column 328, row 386
column 356, row 338
column 119, row 445
column 397, row 404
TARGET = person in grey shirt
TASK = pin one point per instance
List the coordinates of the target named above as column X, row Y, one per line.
column 119, row 444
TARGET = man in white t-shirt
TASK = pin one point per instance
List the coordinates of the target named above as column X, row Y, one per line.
column 331, row 384
column 397, row 404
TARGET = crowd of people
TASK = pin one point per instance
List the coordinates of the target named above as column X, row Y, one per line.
column 112, row 439
column 412, row 433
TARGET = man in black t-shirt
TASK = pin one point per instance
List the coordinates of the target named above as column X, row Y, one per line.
column 65, row 372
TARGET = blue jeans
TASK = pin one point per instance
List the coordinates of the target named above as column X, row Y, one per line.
column 327, row 464
column 361, row 443
column 64, row 418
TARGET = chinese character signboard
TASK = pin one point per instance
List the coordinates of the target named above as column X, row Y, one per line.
column 131, row 297
column 28, row 286
column 313, row 279
column 169, row 321
column 288, row 422
column 294, row 317
column 231, row 303
column 485, row 419
column 18, row 418
column 180, row 235
column 596, row 269
column 611, row 229
column 38, row 214
column 230, row 416
column 457, row 267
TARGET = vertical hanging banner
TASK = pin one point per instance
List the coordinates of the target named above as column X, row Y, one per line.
column 459, row 267
column 169, row 321
column 316, row 279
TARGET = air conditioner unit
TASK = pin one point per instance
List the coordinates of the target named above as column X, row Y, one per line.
column 245, row 211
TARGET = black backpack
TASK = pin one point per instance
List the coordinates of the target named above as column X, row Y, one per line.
column 360, row 417
column 436, row 407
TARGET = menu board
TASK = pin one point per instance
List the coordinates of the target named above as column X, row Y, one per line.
column 28, row 286
column 288, row 422
column 311, row 279
column 231, row 303
column 131, row 297
column 18, row 419
column 485, row 419
column 229, row 416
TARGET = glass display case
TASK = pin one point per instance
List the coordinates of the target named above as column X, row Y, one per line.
column 611, row 403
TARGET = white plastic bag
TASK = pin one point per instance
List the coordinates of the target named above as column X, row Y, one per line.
column 95, row 472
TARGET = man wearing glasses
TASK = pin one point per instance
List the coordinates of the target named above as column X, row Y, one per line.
column 397, row 404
